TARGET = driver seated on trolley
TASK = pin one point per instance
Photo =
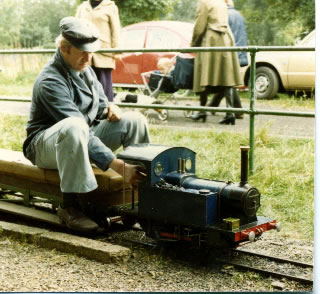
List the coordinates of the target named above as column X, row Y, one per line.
column 72, row 124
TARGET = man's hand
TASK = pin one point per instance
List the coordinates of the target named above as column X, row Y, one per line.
column 132, row 174
column 114, row 112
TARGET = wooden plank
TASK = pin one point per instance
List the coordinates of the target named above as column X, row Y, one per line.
column 18, row 174
column 30, row 212
column 26, row 184
column 97, row 196
column 13, row 163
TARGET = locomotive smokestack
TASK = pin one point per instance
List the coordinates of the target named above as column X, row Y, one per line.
column 244, row 165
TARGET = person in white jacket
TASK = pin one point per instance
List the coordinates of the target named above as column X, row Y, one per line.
column 104, row 14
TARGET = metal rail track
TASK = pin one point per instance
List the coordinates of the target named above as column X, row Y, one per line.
column 243, row 266
column 144, row 244
column 273, row 273
column 275, row 258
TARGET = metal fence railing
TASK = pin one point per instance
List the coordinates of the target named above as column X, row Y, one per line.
column 251, row 111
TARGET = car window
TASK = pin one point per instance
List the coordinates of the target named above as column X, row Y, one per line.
column 133, row 38
column 161, row 38
column 309, row 40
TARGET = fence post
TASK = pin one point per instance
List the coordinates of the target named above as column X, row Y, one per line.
column 252, row 115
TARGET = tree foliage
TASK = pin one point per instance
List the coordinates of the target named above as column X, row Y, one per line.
column 34, row 23
column 10, row 23
column 132, row 11
column 40, row 23
column 277, row 22
column 31, row 23
column 284, row 12
column 182, row 10
column 269, row 22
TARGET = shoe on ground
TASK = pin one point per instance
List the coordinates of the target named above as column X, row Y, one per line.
column 239, row 116
column 76, row 220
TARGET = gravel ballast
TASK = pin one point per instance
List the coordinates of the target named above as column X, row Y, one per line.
column 28, row 268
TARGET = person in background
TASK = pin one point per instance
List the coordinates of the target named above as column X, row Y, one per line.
column 214, row 71
column 72, row 124
column 238, row 27
column 105, row 16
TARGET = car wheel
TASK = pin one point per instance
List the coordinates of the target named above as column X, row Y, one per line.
column 267, row 83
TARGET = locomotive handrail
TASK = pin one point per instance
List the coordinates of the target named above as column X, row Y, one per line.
column 251, row 111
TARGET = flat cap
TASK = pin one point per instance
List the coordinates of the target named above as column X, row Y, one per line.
column 81, row 33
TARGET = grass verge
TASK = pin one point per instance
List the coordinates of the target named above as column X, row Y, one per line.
column 284, row 167
column 284, row 170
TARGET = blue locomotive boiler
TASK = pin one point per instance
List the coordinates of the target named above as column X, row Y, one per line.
column 174, row 204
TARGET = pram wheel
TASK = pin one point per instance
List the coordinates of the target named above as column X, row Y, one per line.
column 188, row 113
column 146, row 92
column 163, row 114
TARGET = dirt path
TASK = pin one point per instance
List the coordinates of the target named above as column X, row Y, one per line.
column 294, row 127
column 284, row 126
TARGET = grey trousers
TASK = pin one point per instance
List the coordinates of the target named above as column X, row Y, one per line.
column 64, row 146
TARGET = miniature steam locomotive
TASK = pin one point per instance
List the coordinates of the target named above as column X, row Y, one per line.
column 175, row 204
column 172, row 203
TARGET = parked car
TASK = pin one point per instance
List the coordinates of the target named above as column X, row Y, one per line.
column 278, row 71
column 148, row 35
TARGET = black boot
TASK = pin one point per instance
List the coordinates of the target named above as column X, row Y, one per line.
column 230, row 117
column 203, row 101
column 237, row 103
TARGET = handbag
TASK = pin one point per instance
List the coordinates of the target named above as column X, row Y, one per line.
column 182, row 76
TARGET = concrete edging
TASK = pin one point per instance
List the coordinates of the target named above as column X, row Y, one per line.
column 81, row 246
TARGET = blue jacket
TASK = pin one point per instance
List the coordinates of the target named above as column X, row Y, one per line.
column 238, row 28
column 59, row 93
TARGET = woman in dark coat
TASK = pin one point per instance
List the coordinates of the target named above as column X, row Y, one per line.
column 214, row 71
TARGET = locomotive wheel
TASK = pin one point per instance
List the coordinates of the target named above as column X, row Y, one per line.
column 148, row 229
column 129, row 221
column 151, row 230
